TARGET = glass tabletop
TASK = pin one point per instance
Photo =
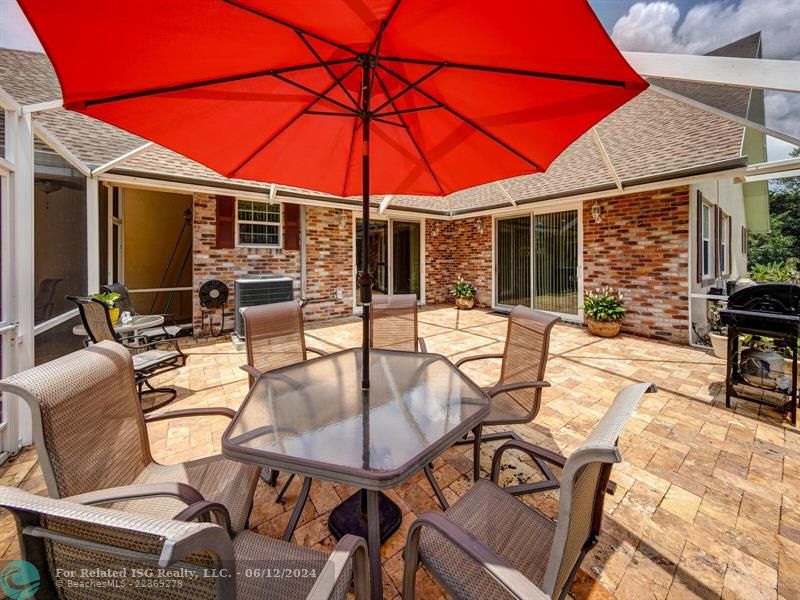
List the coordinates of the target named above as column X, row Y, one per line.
column 314, row 419
column 136, row 323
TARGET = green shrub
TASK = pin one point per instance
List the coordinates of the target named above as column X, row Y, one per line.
column 776, row 271
column 463, row 289
column 604, row 304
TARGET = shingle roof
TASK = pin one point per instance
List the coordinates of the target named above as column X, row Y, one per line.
column 651, row 137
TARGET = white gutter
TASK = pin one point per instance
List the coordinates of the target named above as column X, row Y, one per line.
column 606, row 159
column 778, row 169
column 120, row 159
column 759, row 73
column 726, row 115
column 48, row 138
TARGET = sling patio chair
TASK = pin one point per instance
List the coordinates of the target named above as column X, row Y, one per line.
column 170, row 328
column 150, row 357
column 393, row 323
column 274, row 338
column 517, row 396
column 75, row 547
column 491, row 545
column 91, row 438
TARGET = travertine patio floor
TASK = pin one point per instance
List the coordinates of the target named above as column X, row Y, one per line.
column 708, row 499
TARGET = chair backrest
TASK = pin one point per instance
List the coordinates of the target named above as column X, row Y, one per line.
column 87, row 421
column 61, row 538
column 124, row 303
column 95, row 319
column 583, row 485
column 525, row 355
column 274, row 335
column 393, row 322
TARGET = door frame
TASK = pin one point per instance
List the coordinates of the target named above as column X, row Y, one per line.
column 390, row 253
column 532, row 212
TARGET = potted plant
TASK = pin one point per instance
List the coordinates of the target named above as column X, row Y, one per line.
column 464, row 293
column 604, row 311
column 718, row 334
column 110, row 300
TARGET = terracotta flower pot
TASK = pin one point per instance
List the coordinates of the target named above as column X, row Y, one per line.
column 607, row 329
column 464, row 303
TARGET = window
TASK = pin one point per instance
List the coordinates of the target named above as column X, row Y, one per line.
column 724, row 243
column 258, row 223
column 706, row 256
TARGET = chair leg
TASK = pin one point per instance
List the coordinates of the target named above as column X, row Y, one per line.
column 476, row 453
column 436, row 489
column 298, row 509
column 279, row 497
column 170, row 392
column 270, row 476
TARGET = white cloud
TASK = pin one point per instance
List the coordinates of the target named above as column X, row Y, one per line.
column 657, row 27
column 15, row 32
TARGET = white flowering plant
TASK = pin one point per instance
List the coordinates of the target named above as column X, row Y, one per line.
column 604, row 304
column 463, row 289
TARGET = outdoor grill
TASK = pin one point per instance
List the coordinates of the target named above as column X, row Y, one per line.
column 769, row 312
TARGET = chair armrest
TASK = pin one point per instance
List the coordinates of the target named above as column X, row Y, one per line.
column 203, row 510
column 220, row 411
column 495, row 566
column 350, row 547
column 316, row 351
column 510, row 387
column 252, row 371
column 421, row 344
column 477, row 357
column 529, row 449
column 181, row 491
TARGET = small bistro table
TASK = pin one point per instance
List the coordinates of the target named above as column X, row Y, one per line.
column 313, row 419
column 137, row 323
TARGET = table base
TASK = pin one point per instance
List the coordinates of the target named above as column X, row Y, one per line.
column 348, row 517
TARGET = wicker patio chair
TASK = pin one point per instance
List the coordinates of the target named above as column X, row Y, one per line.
column 491, row 545
column 393, row 323
column 72, row 544
column 90, row 434
column 517, row 396
column 170, row 328
column 274, row 338
column 150, row 357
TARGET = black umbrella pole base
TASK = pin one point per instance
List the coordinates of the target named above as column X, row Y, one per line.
column 348, row 518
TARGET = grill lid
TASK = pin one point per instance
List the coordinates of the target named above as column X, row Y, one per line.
column 773, row 298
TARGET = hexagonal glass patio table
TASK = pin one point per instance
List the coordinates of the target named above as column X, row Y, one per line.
column 314, row 419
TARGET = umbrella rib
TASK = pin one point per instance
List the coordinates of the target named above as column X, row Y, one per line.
column 319, row 95
column 197, row 84
column 511, row 71
column 327, row 68
column 466, row 120
column 291, row 122
column 384, row 24
column 413, row 140
column 405, row 111
column 410, row 87
column 279, row 21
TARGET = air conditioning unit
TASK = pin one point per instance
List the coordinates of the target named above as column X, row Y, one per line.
column 255, row 290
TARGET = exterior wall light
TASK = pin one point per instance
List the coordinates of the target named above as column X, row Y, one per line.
column 597, row 212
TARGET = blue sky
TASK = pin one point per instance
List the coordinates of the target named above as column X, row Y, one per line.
column 683, row 26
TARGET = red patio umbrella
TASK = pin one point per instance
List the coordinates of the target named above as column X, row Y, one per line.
column 350, row 97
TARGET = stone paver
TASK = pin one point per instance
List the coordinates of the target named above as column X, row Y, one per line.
column 708, row 498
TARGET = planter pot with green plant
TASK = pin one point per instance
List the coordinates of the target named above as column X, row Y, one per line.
column 718, row 333
column 604, row 311
column 110, row 300
column 464, row 293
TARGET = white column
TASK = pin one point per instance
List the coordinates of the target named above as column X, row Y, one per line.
column 93, row 234
column 22, row 244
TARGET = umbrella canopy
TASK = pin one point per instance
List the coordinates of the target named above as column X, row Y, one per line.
column 440, row 96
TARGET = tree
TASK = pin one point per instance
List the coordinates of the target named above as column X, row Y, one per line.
column 783, row 240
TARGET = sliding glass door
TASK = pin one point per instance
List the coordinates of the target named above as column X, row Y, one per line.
column 395, row 256
column 537, row 261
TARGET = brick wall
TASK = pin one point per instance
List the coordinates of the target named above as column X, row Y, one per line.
column 641, row 246
column 458, row 248
column 329, row 262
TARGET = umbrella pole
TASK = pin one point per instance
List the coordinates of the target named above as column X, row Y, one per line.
column 365, row 277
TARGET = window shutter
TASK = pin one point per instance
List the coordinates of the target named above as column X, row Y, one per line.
column 226, row 222
column 699, row 239
column 715, row 241
column 291, row 227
